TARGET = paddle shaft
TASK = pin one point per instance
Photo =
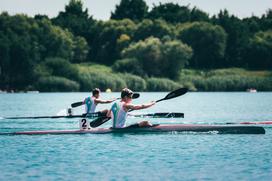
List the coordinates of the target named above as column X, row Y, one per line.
column 99, row 114
column 90, row 115
column 76, row 104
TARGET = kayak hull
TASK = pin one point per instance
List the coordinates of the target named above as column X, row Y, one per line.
column 220, row 129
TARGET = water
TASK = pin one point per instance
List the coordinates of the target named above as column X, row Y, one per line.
column 167, row 156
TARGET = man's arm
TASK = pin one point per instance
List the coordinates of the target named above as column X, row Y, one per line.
column 139, row 106
column 100, row 101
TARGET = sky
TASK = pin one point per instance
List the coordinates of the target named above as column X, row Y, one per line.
column 101, row 9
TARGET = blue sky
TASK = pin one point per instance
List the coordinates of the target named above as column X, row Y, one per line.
column 101, row 9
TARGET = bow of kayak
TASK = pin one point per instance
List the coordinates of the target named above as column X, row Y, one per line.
column 220, row 129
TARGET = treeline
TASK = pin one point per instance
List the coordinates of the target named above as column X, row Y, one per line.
column 137, row 40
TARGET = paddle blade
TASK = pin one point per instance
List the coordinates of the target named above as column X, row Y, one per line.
column 174, row 94
column 169, row 115
column 97, row 122
column 135, row 95
column 160, row 115
column 76, row 104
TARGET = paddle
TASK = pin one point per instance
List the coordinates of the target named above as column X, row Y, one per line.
column 174, row 94
column 89, row 115
column 76, row 104
column 160, row 115
column 97, row 122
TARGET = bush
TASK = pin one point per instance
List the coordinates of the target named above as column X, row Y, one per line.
column 161, row 84
column 134, row 82
column 129, row 65
column 152, row 57
column 57, row 67
column 232, row 79
column 90, row 80
column 56, row 84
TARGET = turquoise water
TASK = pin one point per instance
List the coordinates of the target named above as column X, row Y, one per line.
column 167, row 156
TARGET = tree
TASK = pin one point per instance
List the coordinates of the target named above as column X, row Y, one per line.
column 25, row 42
column 77, row 21
column 56, row 42
column 153, row 57
column 172, row 13
column 156, row 28
column 135, row 10
column 18, row 51
column 198, row 15
column 74, row 18
column 266, row 20
column 237, row 39
column 56, row 67
column 208, row 43
column 80, row 49
column 260, row 51
column 176, row 55
column 108, row 43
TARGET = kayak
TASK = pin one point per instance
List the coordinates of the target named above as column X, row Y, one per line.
column 100, row 114
column 263, row 122
column 220, row 129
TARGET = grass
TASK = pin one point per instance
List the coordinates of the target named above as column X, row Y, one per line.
column 228, row 79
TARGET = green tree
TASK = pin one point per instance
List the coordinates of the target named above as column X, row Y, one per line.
column 80, row 49
column 260, row 51
column 135, row 10
column 77, row 21
column 208, row 43
column 156, row 28
column 56, row 66
column 177, row 55
column 170, row 12
column 4, row 59
column 198, row 15
column 56, row 42
column 110, row 40
column 237, row 39
column 266, row 20
column 152, row 57
column 18, row 51
column 74, row 18
column 26, row 42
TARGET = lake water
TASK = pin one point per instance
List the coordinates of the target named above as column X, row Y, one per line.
column 167, row 156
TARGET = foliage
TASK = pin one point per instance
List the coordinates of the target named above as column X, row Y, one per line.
column 90, row 80
column 90, row 67
column 74, row 18
column 155, row 58
column 259, row 51
column 237, row 39
column 131, row 9
column 233, row 79
column 208, row 43
column 108, row 43
column 56, row 84
column 158, row 43
column 134, row 82
column 77, row 21
column 172, row 13
column 157, row 28
column 129, row 65
column 161, row 84
column 57, row 67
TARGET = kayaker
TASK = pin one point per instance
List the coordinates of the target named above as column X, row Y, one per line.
column 119, row 110
column 92, row 101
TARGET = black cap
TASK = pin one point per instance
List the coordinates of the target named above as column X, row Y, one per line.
column 96, row 91
column 126, row 92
